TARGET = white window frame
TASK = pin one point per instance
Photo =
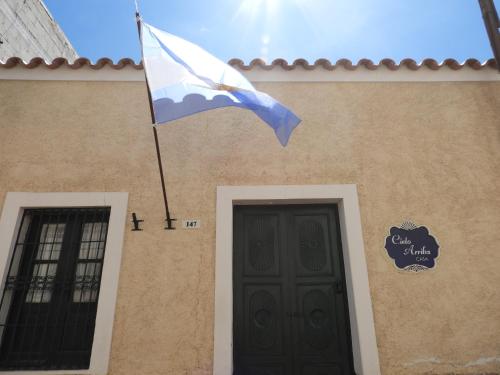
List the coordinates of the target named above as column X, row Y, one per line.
column 14, row 205
column 365, row 352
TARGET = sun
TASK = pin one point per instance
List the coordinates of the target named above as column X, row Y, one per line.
column 253, row 8
column 271, row 5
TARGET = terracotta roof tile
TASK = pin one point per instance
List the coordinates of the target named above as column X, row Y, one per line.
column 366, row 63
column 76, row 64
column 321, row 63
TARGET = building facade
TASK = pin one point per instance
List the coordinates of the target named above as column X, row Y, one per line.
column 28, row 30
column 379, row 145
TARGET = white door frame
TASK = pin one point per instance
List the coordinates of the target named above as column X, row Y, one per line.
column 364, row 343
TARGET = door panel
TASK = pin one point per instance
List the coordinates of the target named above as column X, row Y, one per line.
column 263, row 323
column 262, row 337
column 290, row 307
column 265, row 370
column 317, row 321
column 322, row 370
column 261, row 250
column 311, row 244
column 322, row 334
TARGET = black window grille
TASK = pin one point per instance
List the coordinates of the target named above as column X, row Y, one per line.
column 49, row 301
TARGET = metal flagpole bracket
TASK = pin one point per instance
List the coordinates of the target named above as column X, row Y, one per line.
column 170, row 223
column 136, row 222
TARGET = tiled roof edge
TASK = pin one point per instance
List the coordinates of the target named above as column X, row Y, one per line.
column 366, row 63
column 76, row 64
column 321, row 63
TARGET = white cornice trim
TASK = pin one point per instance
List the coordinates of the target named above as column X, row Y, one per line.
column 276, row 74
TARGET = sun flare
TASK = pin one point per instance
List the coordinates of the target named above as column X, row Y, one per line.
column 251, row 8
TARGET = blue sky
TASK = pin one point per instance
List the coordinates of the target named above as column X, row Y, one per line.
column 289, row 29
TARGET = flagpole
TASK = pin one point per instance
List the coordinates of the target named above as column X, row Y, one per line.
column 492, row 24
column 169, row 219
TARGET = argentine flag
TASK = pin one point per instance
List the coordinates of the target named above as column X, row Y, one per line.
column 185, row 79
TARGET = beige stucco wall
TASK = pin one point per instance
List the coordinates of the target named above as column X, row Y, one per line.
column 429, row 152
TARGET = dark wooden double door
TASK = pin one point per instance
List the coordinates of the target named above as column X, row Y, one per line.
column 290, row 313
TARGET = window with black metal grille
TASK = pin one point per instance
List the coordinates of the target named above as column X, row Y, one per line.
column 49, row 300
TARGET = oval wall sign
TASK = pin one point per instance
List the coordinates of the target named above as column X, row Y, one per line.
column 412, row 248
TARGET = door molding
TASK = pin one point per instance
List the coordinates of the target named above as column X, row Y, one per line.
column 364, row 342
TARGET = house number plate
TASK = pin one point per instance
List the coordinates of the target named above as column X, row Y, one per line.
column 191, row 224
